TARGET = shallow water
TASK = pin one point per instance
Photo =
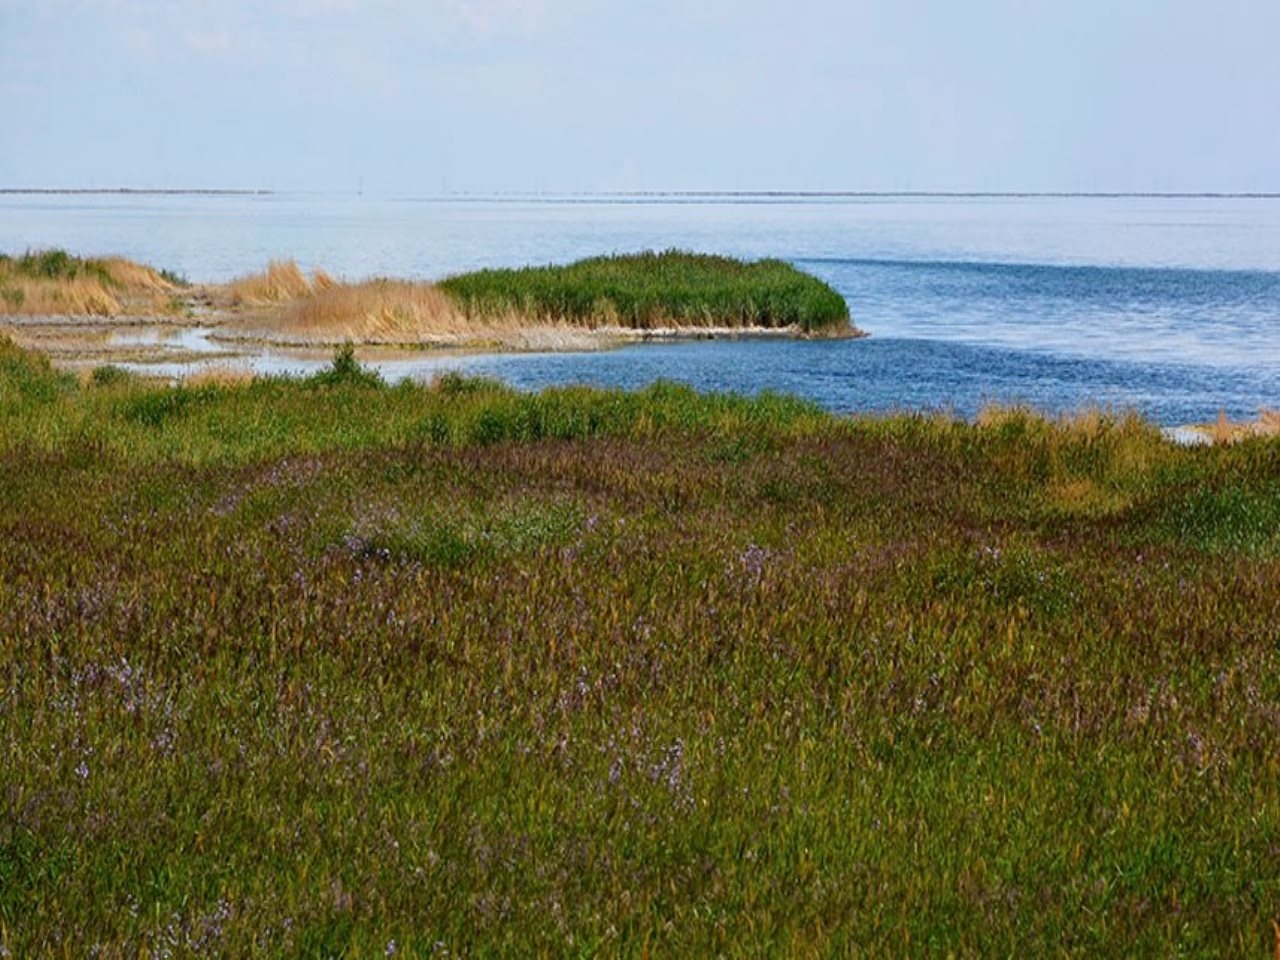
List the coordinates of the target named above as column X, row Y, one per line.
column 1167, row 306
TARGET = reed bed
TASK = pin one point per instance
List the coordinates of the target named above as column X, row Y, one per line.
column 375, row 311
column 281, row 282
column 52, row 282
column 333, row 668
column 653, row 290
column 641, row 292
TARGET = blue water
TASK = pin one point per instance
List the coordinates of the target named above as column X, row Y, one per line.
column 1167, row 306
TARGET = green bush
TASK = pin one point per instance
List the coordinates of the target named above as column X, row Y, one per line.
column 346, row 371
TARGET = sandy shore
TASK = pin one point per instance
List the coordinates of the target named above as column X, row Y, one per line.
column 201, row 334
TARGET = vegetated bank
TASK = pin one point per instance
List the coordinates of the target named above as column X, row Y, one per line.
column 326, row 667
column 594, row 301
column 651, row 290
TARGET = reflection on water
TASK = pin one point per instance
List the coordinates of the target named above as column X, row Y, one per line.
column 195, row 340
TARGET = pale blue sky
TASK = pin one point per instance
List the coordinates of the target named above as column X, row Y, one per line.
column 582, row 95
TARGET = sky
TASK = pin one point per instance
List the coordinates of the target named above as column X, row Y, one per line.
column 432, row 97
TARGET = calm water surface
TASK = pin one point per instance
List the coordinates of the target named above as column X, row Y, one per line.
column 1167, row 306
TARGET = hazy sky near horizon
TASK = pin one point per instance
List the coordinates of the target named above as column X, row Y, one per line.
column 442, row 96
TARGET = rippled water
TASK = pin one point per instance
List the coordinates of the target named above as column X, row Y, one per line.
column 1167, row 306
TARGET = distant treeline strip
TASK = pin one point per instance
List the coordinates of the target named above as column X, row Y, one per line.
column 136, row 191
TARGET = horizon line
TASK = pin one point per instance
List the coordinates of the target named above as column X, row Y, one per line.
column 572, row 195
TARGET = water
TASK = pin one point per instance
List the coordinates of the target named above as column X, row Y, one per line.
column 1168, row 306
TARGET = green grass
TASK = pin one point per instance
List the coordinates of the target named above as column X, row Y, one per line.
column 304, row 668
column 657, row 289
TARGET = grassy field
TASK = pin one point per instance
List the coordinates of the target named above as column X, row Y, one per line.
column 331, row 668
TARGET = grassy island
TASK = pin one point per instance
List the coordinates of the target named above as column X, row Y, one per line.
column 331, row 668
column 648, row 290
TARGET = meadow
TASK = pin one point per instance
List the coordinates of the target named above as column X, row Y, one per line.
column 332, row 668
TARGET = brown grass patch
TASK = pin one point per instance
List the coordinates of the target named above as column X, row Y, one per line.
column 104, row 287
column 1224, row 430
column 281, row 282
column 82, row 296
column 136, row 279
column 376, row 312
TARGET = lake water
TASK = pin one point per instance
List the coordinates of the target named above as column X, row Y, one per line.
column 1168, row 306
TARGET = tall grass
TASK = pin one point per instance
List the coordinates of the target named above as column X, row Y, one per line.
column 655, row 290
column 329, row 667
column 282, row 281
column 374, row 311
column 55, row 282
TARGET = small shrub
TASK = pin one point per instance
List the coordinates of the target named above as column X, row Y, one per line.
column 346, row 371
column 175, row 279
column 455, row 384
column 110, row 375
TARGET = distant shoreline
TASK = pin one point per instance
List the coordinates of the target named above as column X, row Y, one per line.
column 140, row 191
column 658, row 196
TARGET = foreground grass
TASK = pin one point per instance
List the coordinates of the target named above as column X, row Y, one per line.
column 331, row 668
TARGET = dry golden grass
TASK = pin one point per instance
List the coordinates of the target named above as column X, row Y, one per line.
column 105, row 287
column 375, row 311
column 82, row 296
column 281, row 282
column 136, row 279
column 380, row 312
column 997, row 415
column 1225, row 430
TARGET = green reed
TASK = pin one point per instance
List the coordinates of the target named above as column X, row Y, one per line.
column 647, row 290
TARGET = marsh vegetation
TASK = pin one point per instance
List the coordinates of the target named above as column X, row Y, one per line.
column 55, row 282
column 328, row 667
column 671, row 289
column 617, row 297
